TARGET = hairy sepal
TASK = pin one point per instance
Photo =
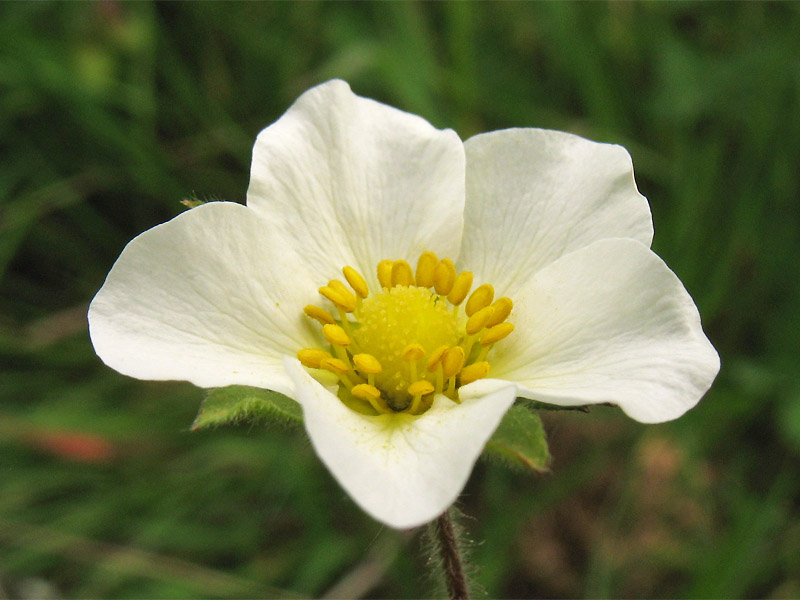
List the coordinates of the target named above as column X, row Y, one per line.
column 237, row 404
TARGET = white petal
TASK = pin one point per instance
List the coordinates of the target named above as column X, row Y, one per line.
column 534, row 195
column 609, row 323
column 352, row 181
column 209, row 297
column 403, row 471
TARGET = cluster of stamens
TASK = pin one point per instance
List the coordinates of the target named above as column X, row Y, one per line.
column 393, row 351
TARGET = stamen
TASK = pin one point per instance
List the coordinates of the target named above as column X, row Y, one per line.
column 480, row 298
column 402, row 273
column 411, row 354
column 496, row 333
column 435, row 358
column 444, row 276
column 346, row 303
column 385, row 273
column 460, row 288
column 368, row 364
column 339, row 368
column 336, row 335
column 372, row 395
column 502, row 308
column 320, row 314
column 378, row 340
column 473, row 372
column 417, row 390
column 334, row 365
column 478, row 320
column 426, row 265
column 452, row 361
column 356, row 281
column 311, row 357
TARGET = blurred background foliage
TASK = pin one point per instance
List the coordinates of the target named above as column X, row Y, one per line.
column 111, row 113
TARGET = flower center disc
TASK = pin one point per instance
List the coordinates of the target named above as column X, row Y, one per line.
column 395, row 318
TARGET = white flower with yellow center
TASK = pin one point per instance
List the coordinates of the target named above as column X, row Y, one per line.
column 404, row 288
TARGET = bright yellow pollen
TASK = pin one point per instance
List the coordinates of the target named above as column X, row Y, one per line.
column 385, row 273
column 502, row 308
column 480, row 298
column 402, row 273
column 339, row 300
column 496, row 333
column 460, row 288
column 426, row 265
column 452, row 361
column 435, row 358
column 366, row 363
column 413, row 352
column 311, row 357
column 478, row 320
column 320, row 314
column 474, row 372
column 397, row 348
column 334, row 365
column 336, row 335
column 444, row 276
column 366, row 391
column 356, row 281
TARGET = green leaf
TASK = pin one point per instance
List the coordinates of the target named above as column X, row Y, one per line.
column 241, row 403
column 520, row 441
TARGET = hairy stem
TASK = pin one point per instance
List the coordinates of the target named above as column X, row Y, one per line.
column 455, row 579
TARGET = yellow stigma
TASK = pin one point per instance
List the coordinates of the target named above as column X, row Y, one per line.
column 395, row 348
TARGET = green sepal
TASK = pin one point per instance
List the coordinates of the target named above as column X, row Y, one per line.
column 241, row 403
column 520, row 441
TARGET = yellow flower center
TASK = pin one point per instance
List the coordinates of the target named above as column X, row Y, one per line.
column 394, row 350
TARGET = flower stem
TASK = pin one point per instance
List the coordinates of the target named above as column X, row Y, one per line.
column 445, row 536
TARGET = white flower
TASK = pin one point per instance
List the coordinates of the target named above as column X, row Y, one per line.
column 554, row 222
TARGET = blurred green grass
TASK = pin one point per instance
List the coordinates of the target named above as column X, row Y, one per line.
column 110, row 113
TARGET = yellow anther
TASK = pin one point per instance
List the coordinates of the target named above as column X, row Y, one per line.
column 311, row 357
column 336, row 335
column 366, row 363
column 474, row 372
column 480, row 298
column 334, row 365
column 402, row 273
column 385, row 273
column 366, row 391
column 426, row 265
column 371, row 394
column 339, row 287
column 502, row 308
column 460, row 288
column 436, row 358
column 413, row 352
column 356, row 281
column 320, row 314
column 478, row 320
column 345, row 302
column 420, row 388
column 444, row 276
column 496, row 333
column 452, row 361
